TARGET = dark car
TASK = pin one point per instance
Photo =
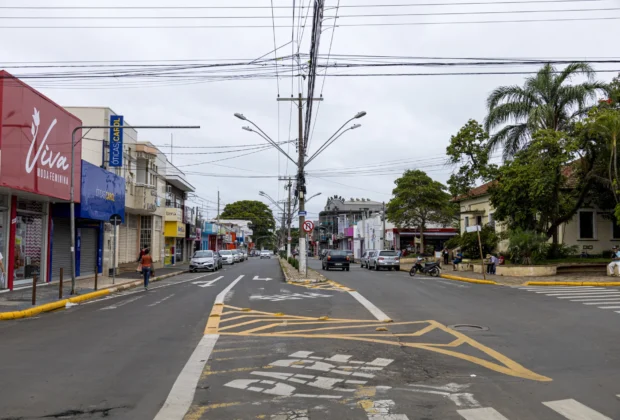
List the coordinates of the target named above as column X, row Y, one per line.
column 336, row 259
column 351, row 256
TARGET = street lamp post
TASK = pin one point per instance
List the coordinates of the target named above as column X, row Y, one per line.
column 72, row 184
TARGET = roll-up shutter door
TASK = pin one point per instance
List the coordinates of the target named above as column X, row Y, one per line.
column 156, row 250
column 88, row 252
column 61, row 248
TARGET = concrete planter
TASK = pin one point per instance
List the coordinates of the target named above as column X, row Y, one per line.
column 526, row 270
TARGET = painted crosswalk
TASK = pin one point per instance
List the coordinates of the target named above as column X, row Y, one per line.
column 600, row 297
column 569, row 409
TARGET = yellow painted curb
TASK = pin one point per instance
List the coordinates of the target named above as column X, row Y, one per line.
column 574, row 283
column 467, row 280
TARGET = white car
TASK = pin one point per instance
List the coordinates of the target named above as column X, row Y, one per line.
column 265, row 254
column 236, row 255
column 227, row 256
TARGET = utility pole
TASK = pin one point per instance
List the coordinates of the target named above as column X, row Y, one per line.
column 383, row 234
column 217, row 226
column 288, row 220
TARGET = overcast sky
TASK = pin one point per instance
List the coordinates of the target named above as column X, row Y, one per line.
column 409, row 118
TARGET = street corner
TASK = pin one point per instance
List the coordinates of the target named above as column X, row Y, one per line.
column 418, row 338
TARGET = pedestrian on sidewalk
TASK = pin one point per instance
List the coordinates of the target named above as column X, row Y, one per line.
column 446, row 255
column 457, row 260
column 147, row 266
column 494, row 263
column 615, row 260
column 139, row 268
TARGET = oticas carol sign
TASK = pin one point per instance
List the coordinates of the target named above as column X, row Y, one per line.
column 116, row 141
column 35, row 142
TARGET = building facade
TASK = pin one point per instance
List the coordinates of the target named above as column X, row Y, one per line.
column 178, row 246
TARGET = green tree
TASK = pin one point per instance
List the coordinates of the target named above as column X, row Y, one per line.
column 469, row 242
column 469, row 149
column 541, row 188
column 419, row 200
column 256, row 211
column 546, row 101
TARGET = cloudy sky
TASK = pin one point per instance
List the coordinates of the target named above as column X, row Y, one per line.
column 409, row 119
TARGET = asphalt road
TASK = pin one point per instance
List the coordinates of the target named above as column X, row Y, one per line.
column 242, row 344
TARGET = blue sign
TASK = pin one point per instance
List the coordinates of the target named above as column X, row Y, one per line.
column 116, row 141
column 103, row 194
column 302, row 213
column 209, row 229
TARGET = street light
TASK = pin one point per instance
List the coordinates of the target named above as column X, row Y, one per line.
column 263, row 135
column 336, row 135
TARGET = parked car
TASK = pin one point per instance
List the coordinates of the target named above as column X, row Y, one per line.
column 235, row 255
column 245, row 255
column 203, row 260
column 218, row 259
column 323, row 253
column 365, row 257
column 336, row 259
column 265, row 254
column 384, row 259
column 227, row 256
column 351, row 256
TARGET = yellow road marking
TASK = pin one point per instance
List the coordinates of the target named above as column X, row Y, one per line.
column 196, row 412
column 245, row 369
column 214, row 319
column 501, row 363
column 232, row 349
column 241, row 357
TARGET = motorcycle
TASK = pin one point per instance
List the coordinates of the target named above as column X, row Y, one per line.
column 429, row 268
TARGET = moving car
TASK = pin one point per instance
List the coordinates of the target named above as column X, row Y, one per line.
column 227, row 256
column 351, row 256
column 336, row 259
column 203, row 260
column 265, row 254
column 384, row 259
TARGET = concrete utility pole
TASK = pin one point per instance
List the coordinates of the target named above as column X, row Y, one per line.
column 383, row 235
column 217, row 226
column 288, row 220
column 364, row 229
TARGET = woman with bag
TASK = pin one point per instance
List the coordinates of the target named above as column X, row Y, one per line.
column 139, row 269
column 147, row 267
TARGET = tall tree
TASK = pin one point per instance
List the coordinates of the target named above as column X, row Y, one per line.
column 546, row 101
column 418, row 201
column 469, row 149
column 256, row 211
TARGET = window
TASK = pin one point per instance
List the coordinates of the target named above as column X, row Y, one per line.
column 479, row 220
column 587, row 225
column 466, row 221
column 146, row 229
column 615, row 229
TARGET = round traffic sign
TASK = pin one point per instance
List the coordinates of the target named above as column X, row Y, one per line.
column 308, row 226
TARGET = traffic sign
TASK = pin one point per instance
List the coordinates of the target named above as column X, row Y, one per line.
column 290, row 238
column 302, row 213
column 308, row 226
column 116, row 219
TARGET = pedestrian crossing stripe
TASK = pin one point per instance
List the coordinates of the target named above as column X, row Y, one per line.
column 603, row 298
column 569, row 409
column 427, row 335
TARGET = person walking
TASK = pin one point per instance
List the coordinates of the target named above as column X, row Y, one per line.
column 446, row 255
column 147, row 267
column 494, row 263
column 139, row 268
column 615, row 260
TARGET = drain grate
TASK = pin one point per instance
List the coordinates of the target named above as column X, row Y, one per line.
column 468, row 327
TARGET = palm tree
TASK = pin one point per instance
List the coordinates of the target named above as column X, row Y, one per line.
column 546, row 101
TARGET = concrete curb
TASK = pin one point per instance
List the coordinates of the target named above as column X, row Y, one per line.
column 573, row 283
column 467, row 280
column 287, row 279
column 52, row 306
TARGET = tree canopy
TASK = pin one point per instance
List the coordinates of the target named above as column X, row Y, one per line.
column 256, row 211
column 418, row 201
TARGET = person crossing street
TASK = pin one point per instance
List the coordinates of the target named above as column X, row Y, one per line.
column 147, row 267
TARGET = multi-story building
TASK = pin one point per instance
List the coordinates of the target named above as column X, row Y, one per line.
column 178, row 217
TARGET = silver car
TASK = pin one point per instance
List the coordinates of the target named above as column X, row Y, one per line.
column 236, row 256
column 366, row 255
column 203, row 260
column 384, row 259
column 227, row 256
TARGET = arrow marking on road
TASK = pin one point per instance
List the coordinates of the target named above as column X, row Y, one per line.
column 207, row 283
column 265, row 279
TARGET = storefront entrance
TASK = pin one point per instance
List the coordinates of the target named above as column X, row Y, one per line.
column 30, row 234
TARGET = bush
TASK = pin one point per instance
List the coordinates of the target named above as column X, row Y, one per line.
column 282, row 254
column 558, row 251
column 292, row 261
column 453, row 242
column 469, row 242
column 527, row 247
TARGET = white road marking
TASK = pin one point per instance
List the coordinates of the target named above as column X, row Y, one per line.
column 597, row 301
column 486, row 413
column 380, row 410
column 609, row 307
column 556, row 287
column 219, row 299
column 162, row 300
column 276, row 388
column 577, row 292
column 589, row 296
column 265, row 279
column 288, row 296
column 182, row 393
column 574, row 410
column 377, row 313
column 121, row 303
column 454, row 284
column 207, row 283
column 291, row 415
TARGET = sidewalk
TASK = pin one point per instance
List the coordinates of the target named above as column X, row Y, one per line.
column 21, row 298
column 517, row 281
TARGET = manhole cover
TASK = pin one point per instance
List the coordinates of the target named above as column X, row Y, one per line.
column 468, row 327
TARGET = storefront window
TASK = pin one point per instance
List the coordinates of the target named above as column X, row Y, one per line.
column 179, row 251
column 29, row 235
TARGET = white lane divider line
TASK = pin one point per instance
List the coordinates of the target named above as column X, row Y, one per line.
column 609, row 307
column 162, row 300
column 376, row 312
column 486, row 413
column 593, row 295
column 597, row 301
column 219, row 299
column 207, row 283
column 574, row 410
column 122, row 303
column 184, row 388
